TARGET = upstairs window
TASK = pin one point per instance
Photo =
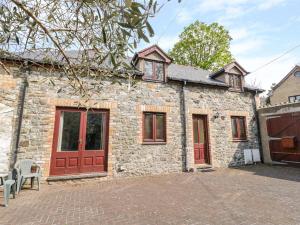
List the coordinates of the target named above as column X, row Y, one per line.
column 154, row 127
column 235, row 82
column 295, row 98
column 154, row 70
column 297, row 74
column 238, row 125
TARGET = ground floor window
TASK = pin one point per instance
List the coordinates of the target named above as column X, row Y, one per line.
column 154, row 127
column 238, row 126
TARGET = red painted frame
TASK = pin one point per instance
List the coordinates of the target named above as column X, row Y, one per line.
column 206, row 136
column 155, row 140
column 153, row 77
column 234, row 86
column 81, row 147
column 237, row 118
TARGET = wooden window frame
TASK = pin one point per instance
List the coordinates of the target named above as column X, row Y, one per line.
column 233, row 85
column 239, row 137
column 154, row 132
column 153, row 77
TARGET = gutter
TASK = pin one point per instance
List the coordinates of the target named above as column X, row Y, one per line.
column 199, row 82
column 20, row 117
column 258, row 127
column 184, row 123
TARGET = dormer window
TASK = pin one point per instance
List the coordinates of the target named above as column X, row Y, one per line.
column 235, row 82
column 153, row 63
column 233, row 75
column 154, row 70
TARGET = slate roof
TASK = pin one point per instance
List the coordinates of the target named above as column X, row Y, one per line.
column 192, row 74
column 175, row 72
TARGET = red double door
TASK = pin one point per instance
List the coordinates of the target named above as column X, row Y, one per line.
column 80, row 141
column 200, row 136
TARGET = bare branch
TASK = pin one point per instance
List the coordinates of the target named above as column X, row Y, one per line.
column 5, row 68
column 30, row 14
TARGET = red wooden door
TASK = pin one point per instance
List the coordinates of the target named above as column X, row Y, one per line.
column 80, row 141
column 201, row 153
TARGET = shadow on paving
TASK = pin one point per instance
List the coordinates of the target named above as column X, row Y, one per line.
column 278, row 172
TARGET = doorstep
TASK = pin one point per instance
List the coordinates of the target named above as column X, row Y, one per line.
column 204, row 167
column 76, row 176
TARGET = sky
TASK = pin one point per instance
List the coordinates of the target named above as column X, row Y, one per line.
column 261, row 31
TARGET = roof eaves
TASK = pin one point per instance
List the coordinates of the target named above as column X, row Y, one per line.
column 213, row 75
column 286, row 77
column 259, row 90
column 199, row 82
column 59, row 64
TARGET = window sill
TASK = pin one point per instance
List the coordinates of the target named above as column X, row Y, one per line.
column 236, row 90
column 154, row 81
column 154, row 143
column 240, row 140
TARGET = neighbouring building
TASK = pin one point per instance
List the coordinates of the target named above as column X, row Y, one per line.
column 288, row 89
column 280, row 132
column 175, row 118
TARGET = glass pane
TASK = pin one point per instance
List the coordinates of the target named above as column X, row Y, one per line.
column 231, row 80
column 159, row 71
column 242, row 128
column 148, row 126
column 195, row 128
column 201, row 129
column 148, row 70
column 234, row 128
column 94, row 131
column 238, row 82
column 160, row 126
column 292, row 99
column 69, row 131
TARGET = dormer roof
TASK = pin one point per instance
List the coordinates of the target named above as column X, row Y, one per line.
column 232, row 68
column 154, row 49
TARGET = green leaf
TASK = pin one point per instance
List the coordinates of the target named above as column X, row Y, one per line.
column 17, row 39
column 126, row 25
column 150, row 30
column 142, row 35
column 128, row 3
column 104, row 35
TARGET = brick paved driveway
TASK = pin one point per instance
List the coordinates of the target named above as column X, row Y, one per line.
column 251, row 195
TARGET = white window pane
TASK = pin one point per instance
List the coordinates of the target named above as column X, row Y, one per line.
column 148, row 70
column 159, row 71
column 69, row 131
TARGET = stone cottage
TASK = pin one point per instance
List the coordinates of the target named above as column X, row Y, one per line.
column 175, row 118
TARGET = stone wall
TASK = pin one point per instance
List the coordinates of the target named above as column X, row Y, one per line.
column 127, row 155
column 222, row 104
column 6, row 119
column 10, row 87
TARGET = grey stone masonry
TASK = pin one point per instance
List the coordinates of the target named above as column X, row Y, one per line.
column 6, row 118
column 127, row 154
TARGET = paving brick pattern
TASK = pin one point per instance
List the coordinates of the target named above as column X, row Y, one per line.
column 250, row 195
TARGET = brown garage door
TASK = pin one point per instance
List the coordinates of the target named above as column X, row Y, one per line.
column 284, row 134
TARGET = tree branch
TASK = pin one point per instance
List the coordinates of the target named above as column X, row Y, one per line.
column 47, row 32
column 5, row 68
